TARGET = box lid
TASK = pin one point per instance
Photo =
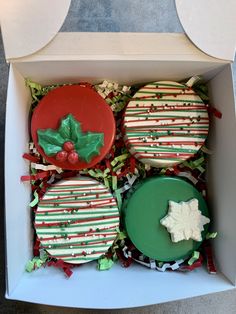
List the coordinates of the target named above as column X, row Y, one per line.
column 210, row 25
column 29, row 25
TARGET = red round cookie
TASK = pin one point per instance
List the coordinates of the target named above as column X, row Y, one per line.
column 87, row 107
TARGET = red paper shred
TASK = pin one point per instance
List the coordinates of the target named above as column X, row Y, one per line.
column 39, row 175
column 68, row 174
column 125, row 262
column 216, row 112
column 31, row 157
column 132, row 164
column 108, row 165
column 36, row 247
column 209, row 257
column 196, row 264
column 27, row 178
column 66, row 267
column 123, row 173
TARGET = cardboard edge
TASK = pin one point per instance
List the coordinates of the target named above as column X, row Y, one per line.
column 12, row 273
column 218, row 283
column 119, row 46
column 7, row 292
column 225, row 265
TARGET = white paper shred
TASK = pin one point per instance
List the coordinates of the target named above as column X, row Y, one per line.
column 193, row 80
column 45, row 168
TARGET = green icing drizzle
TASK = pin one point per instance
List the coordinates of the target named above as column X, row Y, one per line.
column 62, row 232
column 166, row 84
column 78, row 243
column 144, row 110
column 77, row 213
column 101, row 246
column 71, row 219
column 68, row 226
column 162, row 134
column 67, row 187
column 72, row 199
column 166, row 149
column 167, row 100
column 86, row 144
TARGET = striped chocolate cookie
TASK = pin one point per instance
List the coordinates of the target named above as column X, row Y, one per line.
column 165, row 123
column 77, row 220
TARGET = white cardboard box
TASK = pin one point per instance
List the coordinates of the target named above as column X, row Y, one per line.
column 127, row 58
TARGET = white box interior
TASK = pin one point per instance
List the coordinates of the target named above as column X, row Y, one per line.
column 118, row 287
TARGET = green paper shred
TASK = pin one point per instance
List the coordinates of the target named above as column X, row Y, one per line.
column 33, row 170
column 118, row 198
column 201, row 169
column 202, row 91
column 104, row 263
column 119, row 166
column 35, row 200
column 211, row 235
column 118, row 243
column 33, row 85
column 194, row 258
column 106, row 183
column 36, row 262
column 92, row 173
column 196, row 164
column 38, row 91
column 106, row 171
column 163, row 171
column 119, row 159
column 121, row 236
column 114, row 183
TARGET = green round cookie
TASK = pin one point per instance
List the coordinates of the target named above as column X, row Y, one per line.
column 148, row 205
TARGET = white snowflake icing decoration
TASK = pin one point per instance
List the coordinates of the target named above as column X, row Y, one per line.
column 184, row 221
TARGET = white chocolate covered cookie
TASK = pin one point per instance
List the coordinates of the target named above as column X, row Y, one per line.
column 77, row 220
column 165, row 123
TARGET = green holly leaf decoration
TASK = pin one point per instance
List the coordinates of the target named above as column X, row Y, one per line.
column 86, row 144
column 51, row 141
column 89, row 145
column 69, row 128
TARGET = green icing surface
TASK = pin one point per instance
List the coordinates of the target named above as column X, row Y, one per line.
column 87, row 144
column 144, row 209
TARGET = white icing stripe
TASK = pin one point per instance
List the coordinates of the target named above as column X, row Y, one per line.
column 83, row 214
column 78, row 238
column 78, row 203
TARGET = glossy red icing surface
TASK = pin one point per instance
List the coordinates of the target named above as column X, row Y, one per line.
column 87, row 106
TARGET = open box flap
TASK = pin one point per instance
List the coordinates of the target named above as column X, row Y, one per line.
column 211, row 25
column 29, row 25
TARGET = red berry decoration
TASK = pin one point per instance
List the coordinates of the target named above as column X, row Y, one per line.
column 73, row 157
column 62, row 156
column 68, row 146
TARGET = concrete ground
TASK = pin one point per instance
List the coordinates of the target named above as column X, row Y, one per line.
column 105, row 16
